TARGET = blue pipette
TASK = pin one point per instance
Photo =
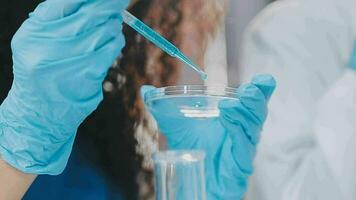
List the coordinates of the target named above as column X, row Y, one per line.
column 160, row 41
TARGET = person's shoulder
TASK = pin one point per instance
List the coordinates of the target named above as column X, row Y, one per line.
column 302, row 17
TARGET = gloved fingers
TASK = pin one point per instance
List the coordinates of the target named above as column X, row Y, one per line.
column 249, row 111
column 51, row 10
column 90, row 68
column 145, row 89
column 234, row 114
column 80, row 16
column 95, row 13
column 85, row 95
column 352, row 62
column 253, row 99
column 242, row 150
column 64, row 48
column 103, row 57
column 243, row 119
column 255, row 95
column 174, row 127
column 266, row 83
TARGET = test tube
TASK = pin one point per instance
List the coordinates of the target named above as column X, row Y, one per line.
column 179, row 175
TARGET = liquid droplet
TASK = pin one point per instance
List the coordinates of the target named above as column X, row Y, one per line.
column 204, row 76
column 198, row 104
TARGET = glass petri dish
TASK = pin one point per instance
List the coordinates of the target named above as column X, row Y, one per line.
column 192, row 101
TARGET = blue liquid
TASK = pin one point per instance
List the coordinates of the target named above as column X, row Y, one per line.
column 190, row 106
column 204, row 76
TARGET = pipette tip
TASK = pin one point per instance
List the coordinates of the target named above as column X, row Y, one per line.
column 204, row 76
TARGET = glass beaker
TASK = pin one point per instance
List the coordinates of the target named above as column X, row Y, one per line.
column 179, row 175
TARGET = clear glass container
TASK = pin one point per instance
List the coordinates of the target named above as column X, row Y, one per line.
column 191, row 101
column 179, row 175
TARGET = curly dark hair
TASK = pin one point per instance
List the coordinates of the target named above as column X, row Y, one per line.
column 107, row 138
column 110, row 130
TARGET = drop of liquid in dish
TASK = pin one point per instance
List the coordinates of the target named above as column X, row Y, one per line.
column 198, row 104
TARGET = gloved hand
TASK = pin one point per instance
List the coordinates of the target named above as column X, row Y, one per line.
column 61, row 55
column 229, row 141
column 352, row 62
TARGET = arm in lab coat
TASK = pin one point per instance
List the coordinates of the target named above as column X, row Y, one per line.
column 307, row 149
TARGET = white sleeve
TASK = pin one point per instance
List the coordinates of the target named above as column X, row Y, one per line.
column 215, row 60
column 335, row 128
column 306, row 49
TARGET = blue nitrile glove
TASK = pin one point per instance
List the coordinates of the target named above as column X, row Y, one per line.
column 61, row 55
column 352, row 63
column 229, row 141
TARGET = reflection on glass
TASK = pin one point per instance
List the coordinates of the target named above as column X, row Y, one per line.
column 179, row 175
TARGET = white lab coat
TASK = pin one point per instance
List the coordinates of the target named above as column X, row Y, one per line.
column 308, row 145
